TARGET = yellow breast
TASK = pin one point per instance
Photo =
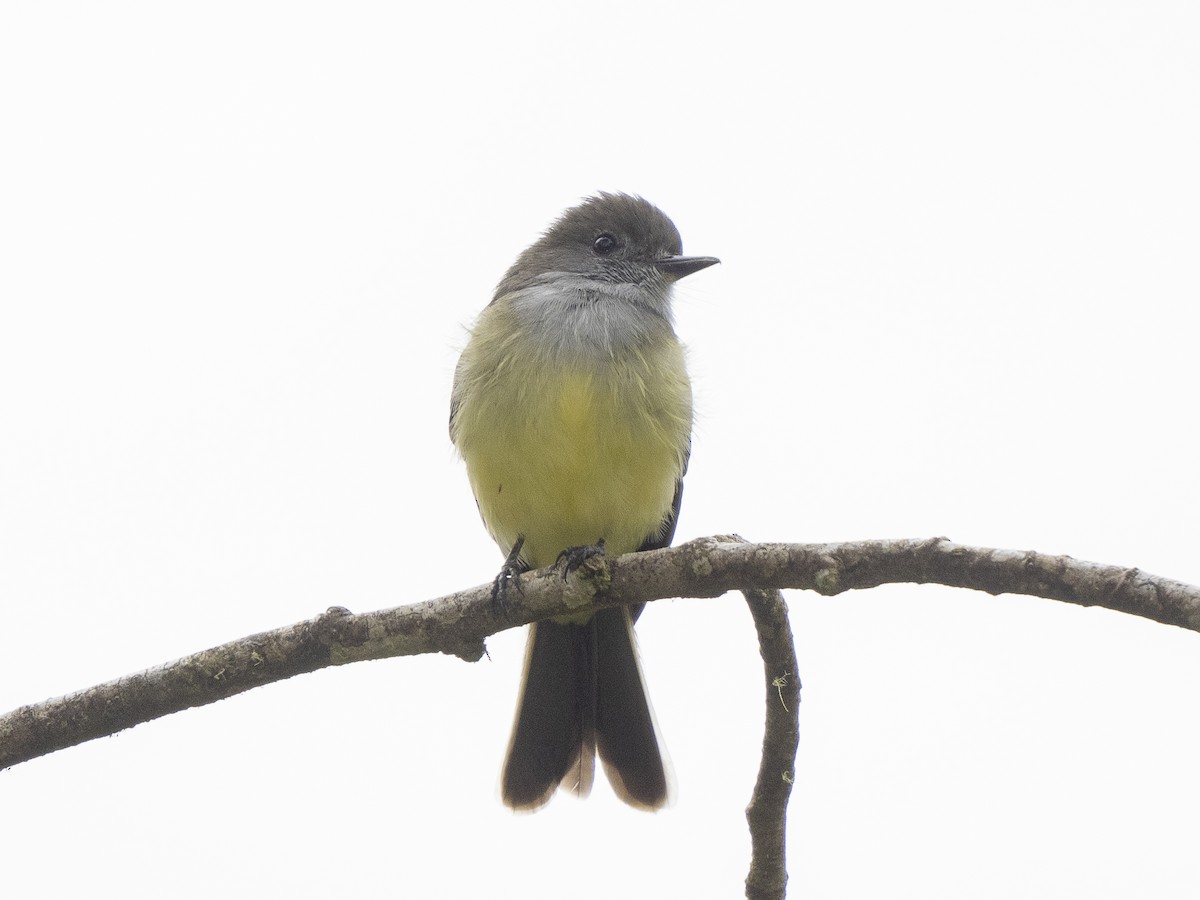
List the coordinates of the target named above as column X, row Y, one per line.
column 568, row 455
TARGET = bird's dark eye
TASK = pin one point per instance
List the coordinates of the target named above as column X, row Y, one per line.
column 604, row 244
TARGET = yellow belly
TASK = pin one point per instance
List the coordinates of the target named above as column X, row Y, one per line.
column 567, row 458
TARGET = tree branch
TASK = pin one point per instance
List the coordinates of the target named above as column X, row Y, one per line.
column 767, row 812
column 458, row 624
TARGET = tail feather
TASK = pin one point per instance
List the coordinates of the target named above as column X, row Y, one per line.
column 627, row 737
column 554, row 738
column 583, row 691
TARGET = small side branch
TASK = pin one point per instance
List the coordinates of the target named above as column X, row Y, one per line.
column 767, row 812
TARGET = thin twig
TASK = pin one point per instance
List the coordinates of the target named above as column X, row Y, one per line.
column 767, row 812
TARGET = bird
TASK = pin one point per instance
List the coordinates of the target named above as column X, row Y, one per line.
column 572, row 410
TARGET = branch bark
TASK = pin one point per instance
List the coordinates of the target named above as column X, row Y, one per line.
column 767, row 812
column 458, row 624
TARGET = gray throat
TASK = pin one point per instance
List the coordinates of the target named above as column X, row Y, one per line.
column 573, row 317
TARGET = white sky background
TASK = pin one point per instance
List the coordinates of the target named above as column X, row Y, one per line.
column 958, row 297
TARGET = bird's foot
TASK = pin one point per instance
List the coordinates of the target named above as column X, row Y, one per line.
column 506, row 581
column 574, row 557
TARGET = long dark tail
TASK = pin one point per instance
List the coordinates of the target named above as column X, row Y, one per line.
column 583, row 692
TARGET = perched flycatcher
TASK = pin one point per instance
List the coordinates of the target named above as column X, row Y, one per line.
column 573, row 411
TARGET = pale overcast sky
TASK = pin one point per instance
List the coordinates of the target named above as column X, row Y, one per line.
column 241, row 244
